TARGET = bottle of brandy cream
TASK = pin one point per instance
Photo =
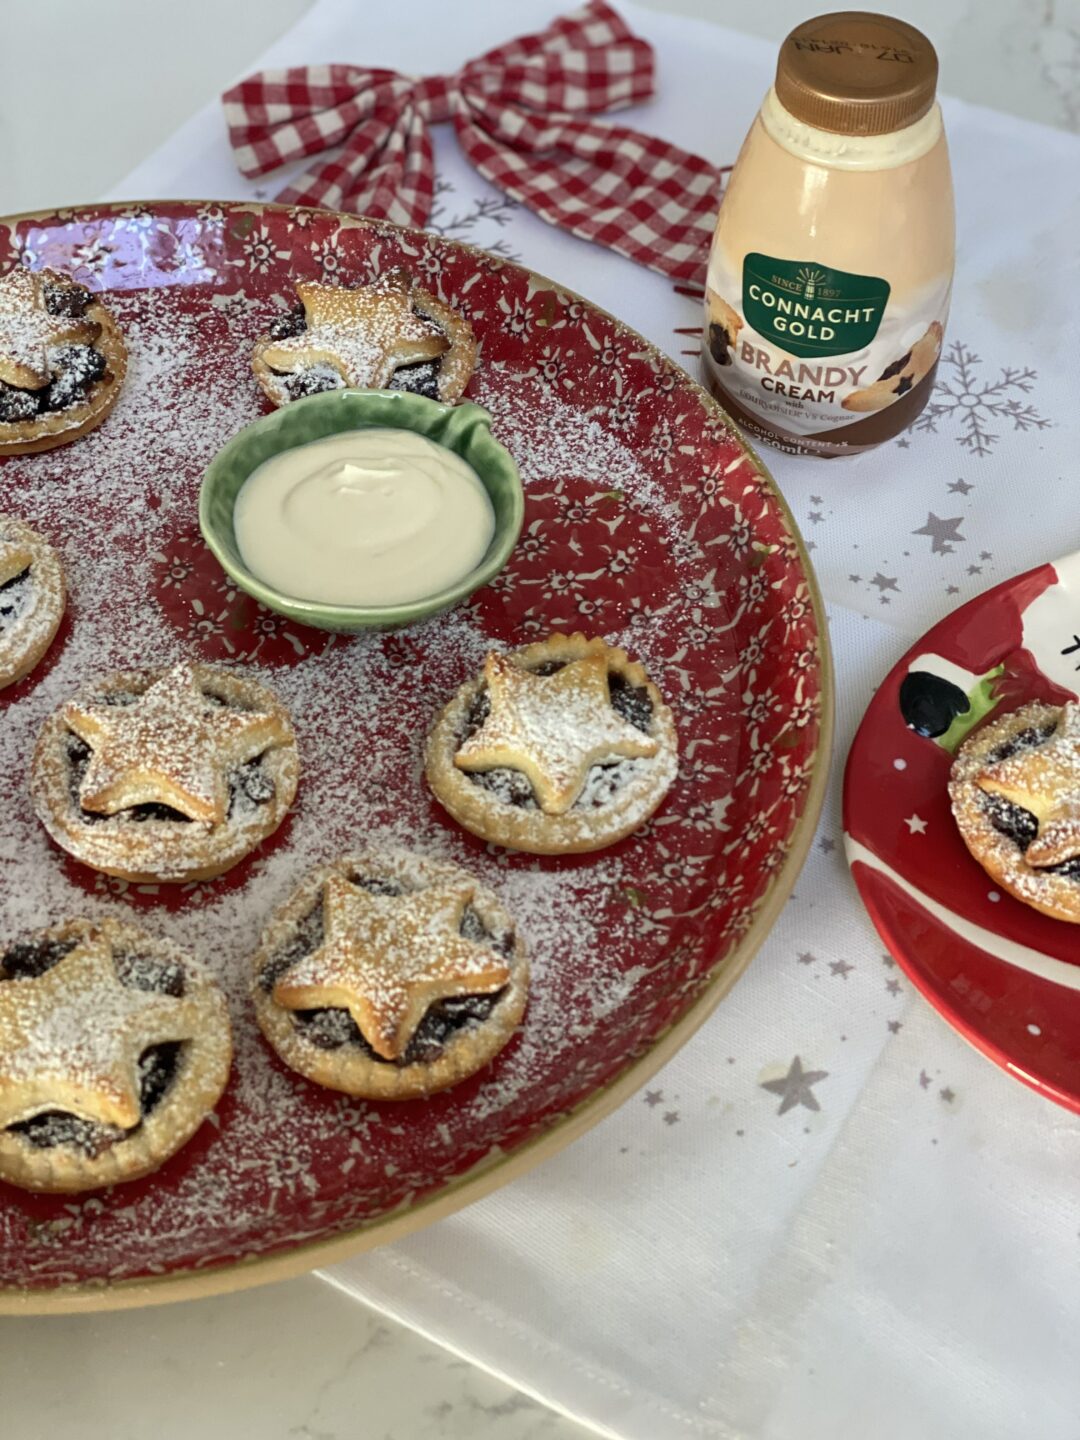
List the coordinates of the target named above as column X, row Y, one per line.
column 832, row 262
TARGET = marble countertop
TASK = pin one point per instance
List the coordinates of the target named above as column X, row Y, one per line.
column 300, row 1359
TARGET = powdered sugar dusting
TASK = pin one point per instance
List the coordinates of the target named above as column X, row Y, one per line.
column 361, row 783
column 631, row 533
column 27, row 330
column 72, row 1026
column 361, row 334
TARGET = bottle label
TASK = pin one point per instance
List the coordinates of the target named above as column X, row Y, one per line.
column 809, row 310
column 807, row 349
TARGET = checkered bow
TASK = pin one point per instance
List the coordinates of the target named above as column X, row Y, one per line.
column 520, row 113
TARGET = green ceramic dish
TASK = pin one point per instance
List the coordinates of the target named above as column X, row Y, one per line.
column 465, row 429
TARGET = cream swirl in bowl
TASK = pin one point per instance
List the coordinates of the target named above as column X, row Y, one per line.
column 371, row 496
column 364, row 517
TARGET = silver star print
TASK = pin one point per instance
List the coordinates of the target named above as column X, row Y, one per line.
column 924, row 1080
column 796, row 1087
column 947, row 1095
column 895, row 1026
column 826, row 846
column 961, row 487
column 841, row 968
column 671, row 1117
column 972, row 403
column 885, row 582
column 653, row 1097
column 942, row 532
column 893, row 987
column 807, row 958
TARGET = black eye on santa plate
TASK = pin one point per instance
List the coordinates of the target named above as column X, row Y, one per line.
column 930, row 704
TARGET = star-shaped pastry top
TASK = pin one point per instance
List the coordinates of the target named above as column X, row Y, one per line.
column 387, row 958
column 553, row 728
column 70, row 1039
column 28, row 331
column 1045, row 780
column 171, row 747
column 15, row 557
column 364, row 334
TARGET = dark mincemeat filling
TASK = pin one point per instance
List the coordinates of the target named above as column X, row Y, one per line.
column 1026, row 739
column 1013, row 821
column 419, row 379
column 157, row 1070
column 13, row 595
column 896, row 367
column 157, row 1065
column 75, row 368
column 330, row 1029
column 69, row 301
column 514, row 788
column 313, row 381
column 27, row 959
column 249, row 782
column 719, row 344
column 305, row 939
column 284, row 327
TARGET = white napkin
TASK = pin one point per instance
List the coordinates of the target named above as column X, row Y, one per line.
column 895, row 1253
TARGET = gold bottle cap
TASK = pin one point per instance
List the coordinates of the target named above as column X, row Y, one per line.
column 856, row 73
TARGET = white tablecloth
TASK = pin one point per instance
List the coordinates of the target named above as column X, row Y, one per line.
column 826, row 1217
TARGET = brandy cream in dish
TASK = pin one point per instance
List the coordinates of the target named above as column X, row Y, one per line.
column 366, row 517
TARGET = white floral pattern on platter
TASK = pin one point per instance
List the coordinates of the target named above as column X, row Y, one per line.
column 622, row 537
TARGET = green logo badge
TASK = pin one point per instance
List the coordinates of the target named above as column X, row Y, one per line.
column 808, row 309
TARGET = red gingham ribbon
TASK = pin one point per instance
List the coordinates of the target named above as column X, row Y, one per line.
column 515, row 111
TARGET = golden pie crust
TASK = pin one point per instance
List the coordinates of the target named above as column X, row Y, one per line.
column 71, row 1040
column 60, row 427
column 187, row 741
column 1041, row 778
column 594, row 776
column 38, row 600
column 365, row 334
column 413, row 970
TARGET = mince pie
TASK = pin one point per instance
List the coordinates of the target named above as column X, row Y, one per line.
column 562, row 747
column 114, row 1048
column 62, row 361
column 165, row 775
column 1015, row 789
column 389, row 975
column 901, row 376
column 32, row 598
column 389, row 335
column 724, row 325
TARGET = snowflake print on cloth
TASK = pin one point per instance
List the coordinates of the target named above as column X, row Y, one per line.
column 494, row 209
column 973, row 405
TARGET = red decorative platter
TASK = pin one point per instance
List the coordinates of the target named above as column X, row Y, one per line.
column 647, row 520
column 1004, row 975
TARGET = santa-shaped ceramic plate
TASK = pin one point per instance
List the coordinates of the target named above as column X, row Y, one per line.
column 1006, row 976
column 647, row 520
